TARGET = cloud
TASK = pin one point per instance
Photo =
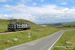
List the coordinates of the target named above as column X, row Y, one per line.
column 45, row 13
column 1, row 8
column 73, row 7
column 25, row 0
column 64, row 3
column 34, row 4
column 42, row 0
column 19, row 8
column 73, row 1
column 43, row 9
column 18, row 16
column 7, row 6
column 5, row 16
column 2, row 0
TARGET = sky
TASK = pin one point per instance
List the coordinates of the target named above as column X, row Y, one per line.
column 38, row 11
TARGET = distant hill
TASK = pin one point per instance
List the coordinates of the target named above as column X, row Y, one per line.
column 59, row 24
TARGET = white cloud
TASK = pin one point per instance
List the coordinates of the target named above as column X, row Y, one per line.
column 42, row 0
column 64, row 3
column 7, row 6
column 2, row 0
column 73, row 7
column 18, row 16
column 18, row 8
column 43, row 9
column 1, row 8
column 28, row 0
column 73, row 1
column 45, row 13
column 42, row 17
column 5, row 16
column 34, row 3
column 25, row 0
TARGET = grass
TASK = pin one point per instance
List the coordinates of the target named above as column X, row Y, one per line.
column 3, row 25
column 65, row 28
column 23, row 36
column 67, row 36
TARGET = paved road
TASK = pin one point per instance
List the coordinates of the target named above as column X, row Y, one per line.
column 45, row 43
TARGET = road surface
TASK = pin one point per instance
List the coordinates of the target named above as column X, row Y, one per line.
column 45, row 43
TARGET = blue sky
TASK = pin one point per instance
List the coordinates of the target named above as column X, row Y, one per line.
column 38, row 11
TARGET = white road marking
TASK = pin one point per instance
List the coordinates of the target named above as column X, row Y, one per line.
column 55, row 42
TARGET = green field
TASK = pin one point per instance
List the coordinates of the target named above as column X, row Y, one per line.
column 68, row 36
column 23, row 36
column 65, row 28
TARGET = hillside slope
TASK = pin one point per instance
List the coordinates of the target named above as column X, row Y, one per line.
column 58, row 24
column 4, row 24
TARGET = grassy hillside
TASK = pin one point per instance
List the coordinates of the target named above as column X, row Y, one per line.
column 23, row 36
column 58, row 24
column 4, row 24
column 72, row 25
column 65, row 28
column 66, row 42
